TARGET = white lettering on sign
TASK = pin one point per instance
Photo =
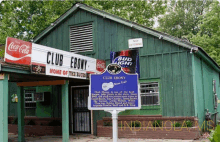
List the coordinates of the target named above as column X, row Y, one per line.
column 22, row 49
column 124, row 60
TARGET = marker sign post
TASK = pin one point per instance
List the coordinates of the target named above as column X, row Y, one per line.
column 114, row 91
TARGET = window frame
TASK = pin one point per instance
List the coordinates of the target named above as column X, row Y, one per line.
column 27, row 91
column 155, row 109
column 149, row 94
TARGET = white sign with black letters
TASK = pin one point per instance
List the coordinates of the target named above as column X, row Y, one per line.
column 134, row 43
column 61, row 63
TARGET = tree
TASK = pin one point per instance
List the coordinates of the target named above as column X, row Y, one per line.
column 183, row 17
column 209, row 35
column 26, row 19
column 141, row 12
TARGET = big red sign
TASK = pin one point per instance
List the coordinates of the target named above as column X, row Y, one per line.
column 18, row 51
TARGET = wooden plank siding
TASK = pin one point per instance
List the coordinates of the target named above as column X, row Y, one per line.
column 204, row 77
column 159, row 59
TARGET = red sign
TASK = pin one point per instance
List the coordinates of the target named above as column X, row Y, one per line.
column 18, row 51
column 100, row 65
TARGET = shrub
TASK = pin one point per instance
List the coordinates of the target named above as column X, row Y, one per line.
column 107, row 124
column 120, row 125
column 31, row 122
column 157, row 123
column 188, row 123
column 215, row 134
column 55, row 123
column 15, row 120
column 177, row 124
column 135, row 124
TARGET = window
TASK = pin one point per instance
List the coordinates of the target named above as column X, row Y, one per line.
column 149, row 93
column 81, row 38
column 30, row 104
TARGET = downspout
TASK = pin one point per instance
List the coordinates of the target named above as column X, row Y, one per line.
column 194, row 81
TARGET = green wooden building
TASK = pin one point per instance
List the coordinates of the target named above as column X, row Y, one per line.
column 180, row 78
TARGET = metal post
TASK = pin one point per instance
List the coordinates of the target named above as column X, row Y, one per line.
column 65, row 112
column 115, row 123
column 4, row 109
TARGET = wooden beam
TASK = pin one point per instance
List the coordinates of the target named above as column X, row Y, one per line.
column 41, row 83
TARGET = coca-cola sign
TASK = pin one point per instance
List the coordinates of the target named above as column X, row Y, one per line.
column 18, row 51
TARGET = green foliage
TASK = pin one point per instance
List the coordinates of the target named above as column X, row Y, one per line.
column 183, row 17
column 135, row 124
column 2, row 53
column 141, row 12
column 31, row 122
column 188, row 123
column 26, row 19
column 157, row 123
column 209, row 36
column 177, row 124
column 55, row 123
column 107, row 124
column 15, row 120
column 215, row 134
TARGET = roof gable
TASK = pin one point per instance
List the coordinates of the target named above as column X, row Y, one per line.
column 116, row 19
column 128, row 23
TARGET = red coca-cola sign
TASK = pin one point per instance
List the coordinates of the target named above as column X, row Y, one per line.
column 100, row 65
column 18, row 51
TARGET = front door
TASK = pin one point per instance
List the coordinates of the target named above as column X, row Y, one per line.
column 80, row 115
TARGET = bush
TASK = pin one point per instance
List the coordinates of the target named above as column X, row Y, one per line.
column 157, row 123
column 107, row 124
column 188, row 123
column 15, row 120
column 177, row 124
column 135, row 124
column 215, row 134
column 55, row 123
column 31, row 122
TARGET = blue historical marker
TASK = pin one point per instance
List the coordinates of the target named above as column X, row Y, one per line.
column 114, row 90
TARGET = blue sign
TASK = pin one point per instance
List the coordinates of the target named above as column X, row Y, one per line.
column 114, row 89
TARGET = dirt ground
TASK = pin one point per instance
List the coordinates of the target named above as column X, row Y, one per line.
column 91, row 138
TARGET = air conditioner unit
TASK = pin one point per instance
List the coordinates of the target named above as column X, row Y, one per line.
column 43, row 97
column 39, row 97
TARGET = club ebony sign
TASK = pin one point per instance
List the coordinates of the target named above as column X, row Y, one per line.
column 114, row 89
column 50, row 61
column 57, row 59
